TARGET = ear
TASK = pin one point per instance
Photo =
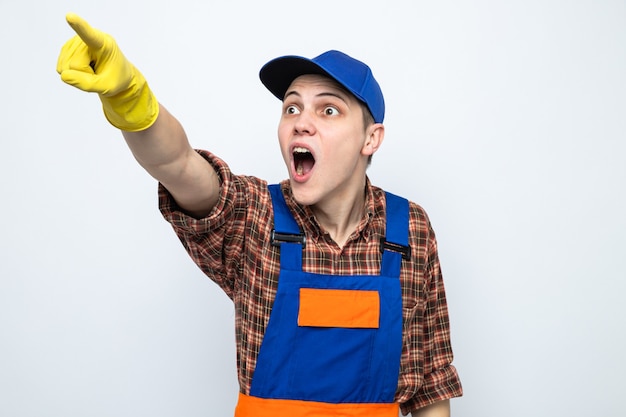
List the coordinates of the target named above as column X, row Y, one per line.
column 375, row 133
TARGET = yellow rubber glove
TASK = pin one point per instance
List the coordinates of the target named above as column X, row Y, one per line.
column 92, row 61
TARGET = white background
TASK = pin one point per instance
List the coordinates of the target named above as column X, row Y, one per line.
column 505, row 120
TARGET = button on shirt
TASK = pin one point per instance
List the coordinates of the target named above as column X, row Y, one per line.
column 232, row 247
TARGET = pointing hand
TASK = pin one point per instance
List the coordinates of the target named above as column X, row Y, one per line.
column 92, row 61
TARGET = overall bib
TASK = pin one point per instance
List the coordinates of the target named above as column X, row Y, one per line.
column 332, row 346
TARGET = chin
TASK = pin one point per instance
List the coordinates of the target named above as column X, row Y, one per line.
column 302, row 194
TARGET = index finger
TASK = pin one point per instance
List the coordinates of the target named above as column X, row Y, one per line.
column 93, row 38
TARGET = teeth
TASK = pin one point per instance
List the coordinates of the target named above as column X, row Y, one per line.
column 299, row 150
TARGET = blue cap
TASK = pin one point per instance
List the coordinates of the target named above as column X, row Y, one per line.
column 278, row 74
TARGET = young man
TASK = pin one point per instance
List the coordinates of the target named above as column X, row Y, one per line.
column 340, row 303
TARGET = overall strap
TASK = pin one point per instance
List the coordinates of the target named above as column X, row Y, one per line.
column 286, row 233
column 395, row 245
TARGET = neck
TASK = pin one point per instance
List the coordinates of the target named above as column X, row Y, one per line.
column 341, row 216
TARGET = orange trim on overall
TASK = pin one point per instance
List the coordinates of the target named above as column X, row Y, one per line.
column 339, row 308
column 249, row 406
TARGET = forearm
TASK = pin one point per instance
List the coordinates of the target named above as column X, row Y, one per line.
column 162, row 148
column 165, row 153
column 438, row 409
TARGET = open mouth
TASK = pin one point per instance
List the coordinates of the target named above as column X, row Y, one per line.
column 303, row 160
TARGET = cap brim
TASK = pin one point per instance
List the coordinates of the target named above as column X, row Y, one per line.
column 278, row 74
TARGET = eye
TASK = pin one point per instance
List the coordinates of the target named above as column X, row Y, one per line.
column 331, row 111
column 291, row 110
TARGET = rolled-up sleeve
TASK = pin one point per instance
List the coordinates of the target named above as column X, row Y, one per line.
column 215, row 243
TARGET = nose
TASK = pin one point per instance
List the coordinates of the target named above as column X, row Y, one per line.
column 304, row 124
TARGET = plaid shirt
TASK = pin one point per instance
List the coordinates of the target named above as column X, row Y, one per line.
column 232, row 247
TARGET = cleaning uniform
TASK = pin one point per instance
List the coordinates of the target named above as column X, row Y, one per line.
column 232, row 247
column 333, row 343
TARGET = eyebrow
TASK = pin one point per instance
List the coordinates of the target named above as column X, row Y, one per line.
column 324, row 94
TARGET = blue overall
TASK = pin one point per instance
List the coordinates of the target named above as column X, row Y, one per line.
column 332, row 365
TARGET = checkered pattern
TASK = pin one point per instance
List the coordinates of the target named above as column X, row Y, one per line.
column 232, row 247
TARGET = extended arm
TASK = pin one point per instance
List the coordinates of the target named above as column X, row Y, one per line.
column 92, row 62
